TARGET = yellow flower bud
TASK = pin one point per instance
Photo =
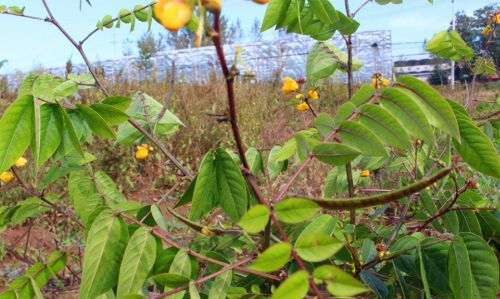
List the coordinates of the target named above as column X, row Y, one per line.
column 427, row 188
column 289, row 85
column 302, row 107
column 365, row 173
column 207, row 232
column 21, row 162
column 142, row 153
column 299, row 96
column 313, row 94
column 6, row 177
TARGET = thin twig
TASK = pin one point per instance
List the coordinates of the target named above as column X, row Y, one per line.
column 360, row 7
column 204, row 279
column 35, row 193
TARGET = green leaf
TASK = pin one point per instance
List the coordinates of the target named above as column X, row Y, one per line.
column 221, row 285
column 408, row 113
column 335, row 153
column 273, row 258
column 344, row 112
column 231, row 188
column 324, row 10
column 317, row 247
column 83, row 195
column 484, row 266
column 187, row 197
column 361, row 138
column 275, row 11
column 287, row 151
column 475, row 148
column 51, row 132
column 95, row 122
column 65, row 89
column 193, row 291
column 138, row 260
column 363, row 95
column 423, row 273
column 103, row 254
column 204, row 195
column 469, row 222
column 16, row 125
column 70, row 130
column 449, row 44
column 44, row 87
column 325, row 124
column 171, row 280
column 295, row 210
column 118, row 102
column 181, row 265
column 255, row 219
column 254, row 159
column 459, row 269
column 434, row 259
column 324, row 59
column 385, row 126
column 339, row 283
column 437, row 109
column 295, row 287
column 274, row 168
column 111, row 115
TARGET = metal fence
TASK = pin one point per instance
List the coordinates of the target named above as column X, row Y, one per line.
column 264, row 59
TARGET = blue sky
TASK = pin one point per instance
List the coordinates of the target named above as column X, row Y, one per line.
column 27, row 44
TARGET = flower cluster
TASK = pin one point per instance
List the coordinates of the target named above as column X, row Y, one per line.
column 493, row 21
column 378, row 81
column 291, row 86
column 142, row 151
column 7, row 176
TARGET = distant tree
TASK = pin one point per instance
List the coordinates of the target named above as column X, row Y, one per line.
column 255, row 33
column 470, row 28
column 438, row 76
column 2, row 63
column 184, row 38
column 148, row 46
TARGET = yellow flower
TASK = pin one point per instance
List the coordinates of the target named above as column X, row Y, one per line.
column 486, row 30
column 290, row 85
column 313, row 94
column 498, row 18
column 378, row 81
column 21, row 162
column 6, row 177
column 427, row 188
column 365, row 173
column 141, row 153
column 302, row 107
column 299, row 96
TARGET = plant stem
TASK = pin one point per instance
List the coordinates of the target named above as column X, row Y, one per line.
column 229, row 77
column 350, row 91
column 35, row 193
column 168, row 240
column 204, row 279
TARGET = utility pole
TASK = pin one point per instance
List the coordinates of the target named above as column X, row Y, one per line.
column 453, row 62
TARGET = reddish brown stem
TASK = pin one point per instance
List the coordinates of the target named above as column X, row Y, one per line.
column 204, row 279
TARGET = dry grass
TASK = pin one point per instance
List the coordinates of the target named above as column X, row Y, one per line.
column 264, row 118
